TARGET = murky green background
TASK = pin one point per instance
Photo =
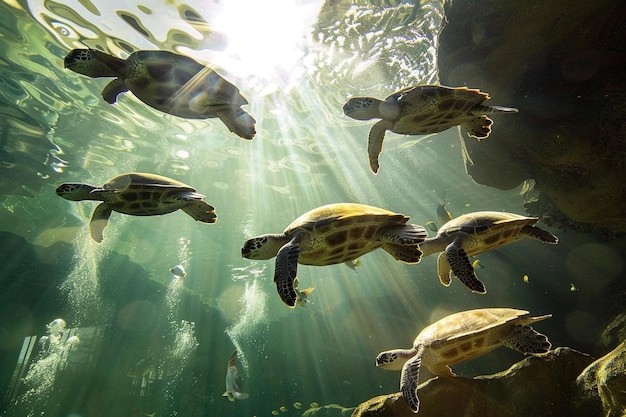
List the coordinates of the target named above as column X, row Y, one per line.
column 297, row 73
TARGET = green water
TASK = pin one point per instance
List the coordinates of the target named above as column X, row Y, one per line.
column 56, row 128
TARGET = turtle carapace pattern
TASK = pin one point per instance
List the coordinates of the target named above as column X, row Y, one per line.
column 460, row 337
column 138, row 194
column 169, row 82
column 333, row 234
column 422, row 110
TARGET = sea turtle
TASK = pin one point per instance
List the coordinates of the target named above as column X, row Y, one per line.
column 460, row 337
column 333, row 234
column 421, row 110
column 138, row 194
column 168, row 82
column 474, row 233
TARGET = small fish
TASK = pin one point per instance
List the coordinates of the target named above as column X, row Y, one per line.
column 572, row 287
column 283, row 409
column 297, row 405
column 314, row 405
column 432, row 226
column 178, row 271
column 526, row 279
column 443, row 215
column 275, row 412
column 302, row 296
column 476, row 264
column 233, row 380
column 353, row 264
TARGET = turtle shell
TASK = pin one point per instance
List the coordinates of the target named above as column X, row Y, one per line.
column 487, row 229
column 463, row 336
column 143, row 194
column 337, row 233
column 428, row 109
column 179, row 85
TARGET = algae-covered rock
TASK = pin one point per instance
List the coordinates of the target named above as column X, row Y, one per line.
column 603, row 385
column 330, row 410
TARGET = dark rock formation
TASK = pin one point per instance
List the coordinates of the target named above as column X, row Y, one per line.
column 561, row 63
column 535, row 386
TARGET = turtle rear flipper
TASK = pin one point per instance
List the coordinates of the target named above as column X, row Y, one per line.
column 409, row 254
column 443, row 269
column 114, row 89
column 539, row 234
column 496, row 109
column 478, row 127
column 409, row 234
column 238, row 122
column 462, row 268
column 375, row 143
column 285, row 272
column 201, row 211
column 527, row 340
column 99, row 221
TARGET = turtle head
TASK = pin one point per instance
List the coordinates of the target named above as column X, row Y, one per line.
column 93, row 63
column 392, row 359
column 75, row 191
column 361, row 108
column 263, row 247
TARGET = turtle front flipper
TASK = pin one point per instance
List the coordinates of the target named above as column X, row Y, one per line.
column 375, row 143
column 478, row 127
column 527, row 340
column 409, row 379
column 99, row 220
column 285, row 272
column 238, row 122
column 201, row 211
column 462, row 268
column 114, row 89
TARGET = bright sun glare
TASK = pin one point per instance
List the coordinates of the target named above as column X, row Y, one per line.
column 265, row 37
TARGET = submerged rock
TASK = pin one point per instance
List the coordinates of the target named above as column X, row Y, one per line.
column 535, row 386
column 330, row 410
column 561, row 64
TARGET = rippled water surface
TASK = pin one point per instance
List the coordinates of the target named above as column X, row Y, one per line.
column 155, row 343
